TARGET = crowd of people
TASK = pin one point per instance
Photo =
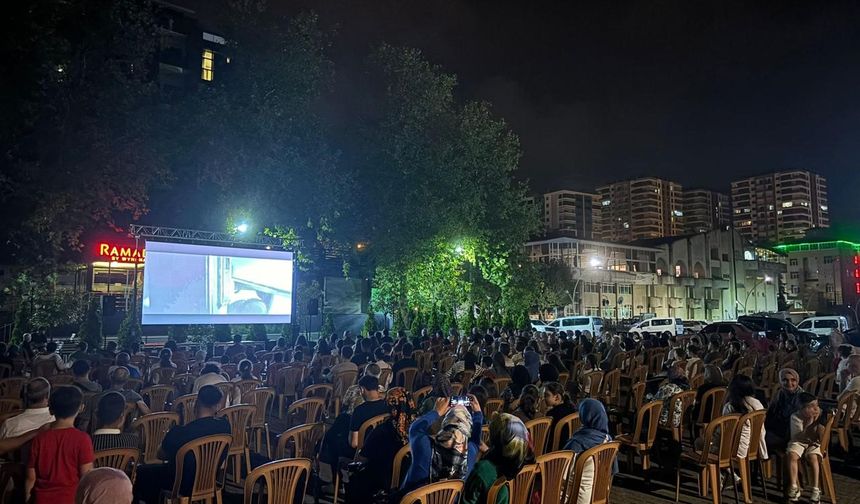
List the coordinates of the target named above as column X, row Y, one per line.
column 519, row 375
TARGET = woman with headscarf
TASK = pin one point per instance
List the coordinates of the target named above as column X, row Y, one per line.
column 779, row 411
column 380, row 447
column 594, row 431
column 452, row 451
column 104, row 485
column 509, row 446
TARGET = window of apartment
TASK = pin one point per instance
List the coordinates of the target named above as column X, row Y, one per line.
column 677, row 270
column 828, row 288
column 625, row 289
column 795, row 289
column 828, row 259
column 207, row 66
column 794, row 275
column 592, row 287
column 792, row 262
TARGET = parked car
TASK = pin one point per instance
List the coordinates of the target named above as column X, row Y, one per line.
column 727, row 329
column 538, row 325
column 657, row 325
column 823, row 326
column 694, row 325
column 578, row 323
column 773, row 327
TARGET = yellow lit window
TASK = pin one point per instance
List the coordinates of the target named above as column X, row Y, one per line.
column 207, row 66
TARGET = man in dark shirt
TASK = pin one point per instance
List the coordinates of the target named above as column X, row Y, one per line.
column 159, row 477
column 362, row 353
column 81, row 371
column 406, row 361
column 373, row 405
column 236, row 348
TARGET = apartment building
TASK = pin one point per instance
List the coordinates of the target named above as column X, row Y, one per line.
column 708, row 276
column 640, row 208
column 706, row 210
column 570, row 213
column 823, row 276
column 780, row 206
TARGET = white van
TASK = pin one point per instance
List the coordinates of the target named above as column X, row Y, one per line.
column 824, row 325
column 584, row 323
column 657, row 325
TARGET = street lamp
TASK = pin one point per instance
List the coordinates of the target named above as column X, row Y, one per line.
column 766, row 279
column 242, row 227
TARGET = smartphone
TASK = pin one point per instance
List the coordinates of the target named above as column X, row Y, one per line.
column 464, row 400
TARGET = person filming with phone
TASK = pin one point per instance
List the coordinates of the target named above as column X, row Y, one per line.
column 450, row 452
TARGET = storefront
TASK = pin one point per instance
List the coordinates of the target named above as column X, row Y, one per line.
column 112, row 272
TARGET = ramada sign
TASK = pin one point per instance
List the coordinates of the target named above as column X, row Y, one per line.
column 119, row 253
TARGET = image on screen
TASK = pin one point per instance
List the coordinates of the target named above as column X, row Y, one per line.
column 197, row 284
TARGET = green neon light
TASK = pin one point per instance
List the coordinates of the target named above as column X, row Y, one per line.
column 791, row 247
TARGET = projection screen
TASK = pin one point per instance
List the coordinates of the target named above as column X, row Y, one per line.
column 200, row 284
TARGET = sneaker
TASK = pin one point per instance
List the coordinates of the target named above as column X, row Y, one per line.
column 816, row 495
column 794, row 494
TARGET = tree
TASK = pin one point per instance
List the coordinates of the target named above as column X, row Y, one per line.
column 328, row 325
column 129, row 333
column 369, row 324
column 221, row 333
column 91, row 328
column 79, row 121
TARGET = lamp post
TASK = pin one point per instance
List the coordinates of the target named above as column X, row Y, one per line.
column 766, row 279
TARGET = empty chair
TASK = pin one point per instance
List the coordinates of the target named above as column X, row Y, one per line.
column 300, row 441
column 239, row 417
column 716, row 454
column 554, row 468
column 158, row 396
column 641, row 441
column 261, row 399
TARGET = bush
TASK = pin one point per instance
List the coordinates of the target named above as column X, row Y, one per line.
column 201, row 333
column 221, row 333
column 129, row 332
column 21, row 324
column 178, row 333
column 328, row 325
column 259, row 332
column 369, row 324
column 91, row 327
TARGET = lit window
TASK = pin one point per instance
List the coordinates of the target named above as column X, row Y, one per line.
column 787, row 204
column 677, row 270
column 770, row 207
column 677, row 213
column 626, row 225
column 606, row 202
column 207, row 66
column 824, row 208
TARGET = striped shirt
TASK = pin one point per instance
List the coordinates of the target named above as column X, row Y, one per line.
column 111, row 439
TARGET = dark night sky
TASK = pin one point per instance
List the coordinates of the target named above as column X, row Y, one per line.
column 699, row 92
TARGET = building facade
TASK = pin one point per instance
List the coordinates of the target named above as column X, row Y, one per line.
column 640, row 209
column 706, row 210
column 780, row 206
column 709, row 276
column 823, row 276
column 570, row 213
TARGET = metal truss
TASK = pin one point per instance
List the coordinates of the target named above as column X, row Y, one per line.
column 194, row 235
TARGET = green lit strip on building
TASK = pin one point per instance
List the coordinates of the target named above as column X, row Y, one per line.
column 800, row 247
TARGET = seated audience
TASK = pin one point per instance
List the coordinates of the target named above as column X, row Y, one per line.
column 118, row 379
column 81, row 371
column 594, row 431
column 780, row 409
column 51, row 355
column 805, row 444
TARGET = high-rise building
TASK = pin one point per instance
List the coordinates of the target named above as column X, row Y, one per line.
column 822, row 274
column 780, row 206
column 570, row 213
column 705, row 211
column 640, row 208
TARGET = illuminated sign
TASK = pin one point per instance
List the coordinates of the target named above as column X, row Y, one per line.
column 118, row 253
column 857, row 273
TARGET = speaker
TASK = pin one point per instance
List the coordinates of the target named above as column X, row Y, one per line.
column 108, row 306
column 313, row 306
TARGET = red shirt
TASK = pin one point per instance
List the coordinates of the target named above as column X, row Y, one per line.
column 57, row 456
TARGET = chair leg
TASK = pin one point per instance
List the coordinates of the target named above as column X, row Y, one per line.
column 716, row 491
column 732, row 482
column 268, row 441
column 827, row 479
column 762, row 464
column 677, row 483
column 744, row 470
column 336, row 483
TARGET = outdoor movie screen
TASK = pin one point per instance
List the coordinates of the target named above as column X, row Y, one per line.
column 199, row 284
